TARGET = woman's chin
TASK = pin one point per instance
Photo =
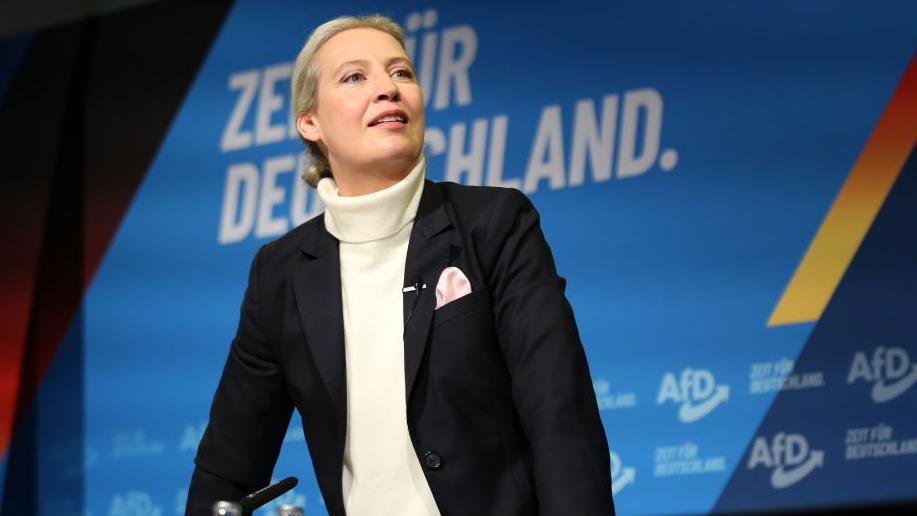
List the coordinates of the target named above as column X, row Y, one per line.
column 398, row 156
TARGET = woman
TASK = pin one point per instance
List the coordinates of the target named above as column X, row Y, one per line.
column 419, row 328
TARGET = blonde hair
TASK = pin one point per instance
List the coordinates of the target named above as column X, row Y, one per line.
column 304, row 83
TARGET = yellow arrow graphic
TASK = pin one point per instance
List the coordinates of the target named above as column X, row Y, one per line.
column 855, row 207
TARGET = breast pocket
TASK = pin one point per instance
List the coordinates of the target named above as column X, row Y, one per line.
column 469, row 304
column 463, row 360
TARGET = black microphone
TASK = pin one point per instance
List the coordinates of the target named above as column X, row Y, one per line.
column 265, row 495
column 416, row 287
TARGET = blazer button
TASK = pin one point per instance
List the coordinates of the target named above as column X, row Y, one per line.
column 432, row 460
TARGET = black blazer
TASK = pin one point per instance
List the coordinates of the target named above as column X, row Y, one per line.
column 500, row 405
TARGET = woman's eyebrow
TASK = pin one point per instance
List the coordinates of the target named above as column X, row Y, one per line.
column 359, row 62
column 397, row 59
column 364, row 63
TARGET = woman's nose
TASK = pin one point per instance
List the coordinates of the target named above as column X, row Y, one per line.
column 387, row 89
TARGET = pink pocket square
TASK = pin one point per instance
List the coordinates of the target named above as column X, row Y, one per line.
column 452, row 285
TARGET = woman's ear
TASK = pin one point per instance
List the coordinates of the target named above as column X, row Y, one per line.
column 308, row 127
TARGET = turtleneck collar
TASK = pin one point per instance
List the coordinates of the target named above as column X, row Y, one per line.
column 374, row 216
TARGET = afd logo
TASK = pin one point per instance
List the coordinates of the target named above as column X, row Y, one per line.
column 696, row 390
column 621, row 476
column 788, row 455
column 890, row 372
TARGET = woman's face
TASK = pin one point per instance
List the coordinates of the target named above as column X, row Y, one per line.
column 369, row 113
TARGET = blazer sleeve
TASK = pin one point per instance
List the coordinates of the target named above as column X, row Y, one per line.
column 249, row 415
column 551, row 386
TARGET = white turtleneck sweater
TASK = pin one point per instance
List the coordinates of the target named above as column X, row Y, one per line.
column 382, row 474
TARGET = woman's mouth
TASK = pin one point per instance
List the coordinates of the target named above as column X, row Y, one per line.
column 391, row 118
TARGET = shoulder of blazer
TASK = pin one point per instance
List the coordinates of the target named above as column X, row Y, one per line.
column 483, row 207
column 308, row 240
column 471, row 200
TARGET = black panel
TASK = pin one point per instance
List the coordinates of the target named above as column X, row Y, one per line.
column 81, row 121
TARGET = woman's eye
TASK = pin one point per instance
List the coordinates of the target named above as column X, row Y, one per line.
column 403, row 73
column 353, row 77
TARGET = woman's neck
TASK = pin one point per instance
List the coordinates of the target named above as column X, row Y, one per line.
column 352, row 182
column 374, row 216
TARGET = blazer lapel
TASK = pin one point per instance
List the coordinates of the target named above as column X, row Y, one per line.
column 428, row 255
column 317, row 287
